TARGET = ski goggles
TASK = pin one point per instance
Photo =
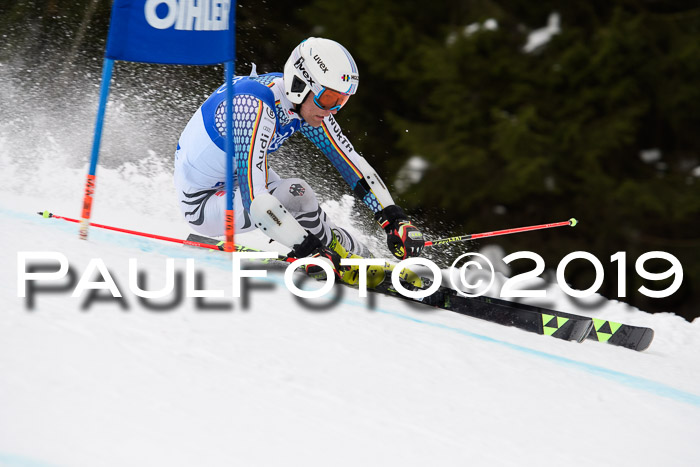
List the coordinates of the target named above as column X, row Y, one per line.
column 329, row 99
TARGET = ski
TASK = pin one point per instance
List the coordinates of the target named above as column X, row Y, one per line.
column 551, row 322
column 624, row 335
column 526, row 317
column 529, row 318
column 619, row 334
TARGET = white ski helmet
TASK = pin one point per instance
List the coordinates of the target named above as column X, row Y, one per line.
column 320, row 65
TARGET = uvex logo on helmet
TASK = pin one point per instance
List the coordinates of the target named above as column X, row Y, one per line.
column 320, row 63
column 299, row 65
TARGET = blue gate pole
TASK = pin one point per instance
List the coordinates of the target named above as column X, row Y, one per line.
column 229, row 245
column 107, row 67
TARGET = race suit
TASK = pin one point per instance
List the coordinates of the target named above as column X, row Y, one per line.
column 263, row 119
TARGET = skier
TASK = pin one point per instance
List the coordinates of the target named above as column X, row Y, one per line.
column 319, row 78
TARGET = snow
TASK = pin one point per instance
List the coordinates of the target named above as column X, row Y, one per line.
column 410, row 173
column 650, row 155
column 267, row 379
column 488, row 25
column 469, row 30
column 540, row 37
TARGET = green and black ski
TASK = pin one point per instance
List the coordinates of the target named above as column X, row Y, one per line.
column 623, row 335
column 529, row 318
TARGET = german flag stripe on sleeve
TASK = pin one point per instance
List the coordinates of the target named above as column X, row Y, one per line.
column 345, row 157
column 251, row 150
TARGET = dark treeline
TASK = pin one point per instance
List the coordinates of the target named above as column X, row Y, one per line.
column 599, row 123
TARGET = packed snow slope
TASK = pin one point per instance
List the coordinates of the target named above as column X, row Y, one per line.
column 275, row 381
column 271, row 380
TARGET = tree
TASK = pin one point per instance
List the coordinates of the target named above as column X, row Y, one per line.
column 515, row 137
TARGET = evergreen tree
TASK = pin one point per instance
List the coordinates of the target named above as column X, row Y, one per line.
column 597, row 123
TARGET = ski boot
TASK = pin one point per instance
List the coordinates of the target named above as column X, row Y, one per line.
column 376, row 274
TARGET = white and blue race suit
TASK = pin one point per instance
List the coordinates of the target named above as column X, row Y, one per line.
column 263, row 119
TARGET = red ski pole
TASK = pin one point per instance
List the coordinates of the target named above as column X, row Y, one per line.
column 463, row 238
column 48, row 215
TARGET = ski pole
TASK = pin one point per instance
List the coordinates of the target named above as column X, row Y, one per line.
column 463, row 238
column 47, row 215
column 211, row 246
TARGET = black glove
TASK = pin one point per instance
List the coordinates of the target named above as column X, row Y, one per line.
column 307, row 247
column 312, row 246
column 402, row 237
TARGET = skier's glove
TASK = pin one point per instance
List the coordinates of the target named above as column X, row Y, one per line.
column 402, row 237
column 312, row 246
column 307, row 247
